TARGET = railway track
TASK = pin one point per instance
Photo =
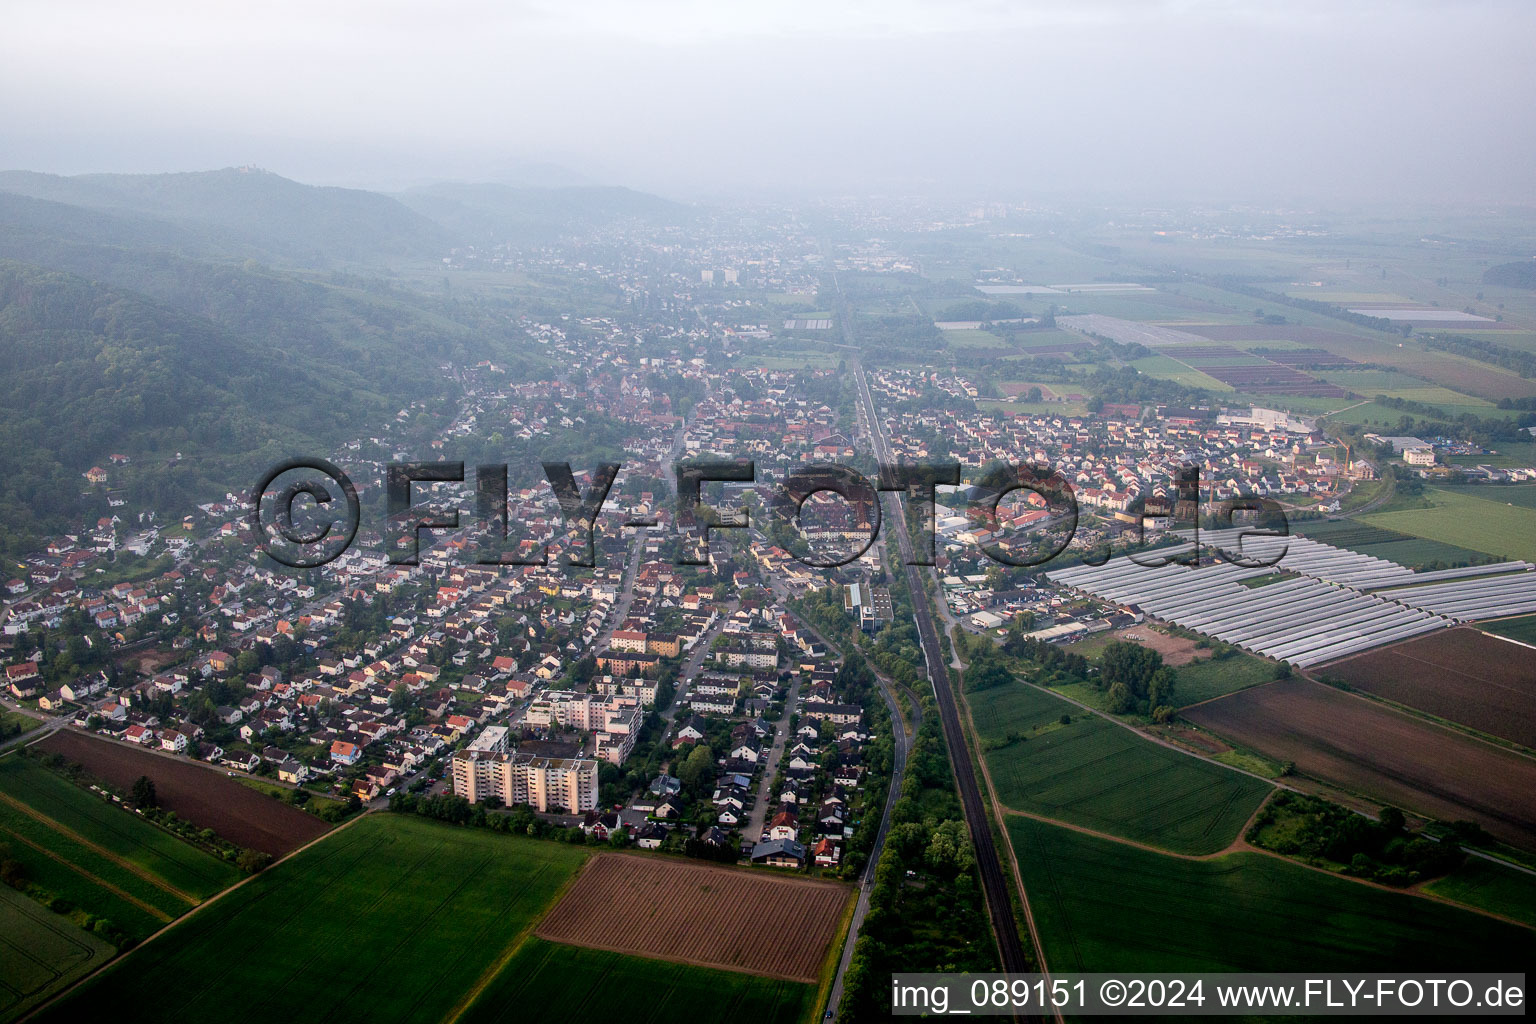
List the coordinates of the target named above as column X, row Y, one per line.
column 994, row 881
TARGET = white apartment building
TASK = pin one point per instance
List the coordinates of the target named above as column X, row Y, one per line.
column 543, row 783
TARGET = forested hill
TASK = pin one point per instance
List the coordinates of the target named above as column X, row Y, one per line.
column 270, row 367
column 253, row 211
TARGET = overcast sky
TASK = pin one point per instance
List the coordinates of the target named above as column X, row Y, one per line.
column 1233, row 100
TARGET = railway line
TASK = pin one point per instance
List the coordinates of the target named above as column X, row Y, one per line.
column 993, row 879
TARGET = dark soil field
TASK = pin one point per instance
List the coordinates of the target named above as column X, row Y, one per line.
column 698, row 913
column 1461, row 675
column 199, row 794
column 1386, row 755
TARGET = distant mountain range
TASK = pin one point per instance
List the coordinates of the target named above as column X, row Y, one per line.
column 241, row 211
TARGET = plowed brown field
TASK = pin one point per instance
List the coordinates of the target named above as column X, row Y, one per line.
column 1459, row 674
column 1385, row 755
column 700, row 913
column 203, row 796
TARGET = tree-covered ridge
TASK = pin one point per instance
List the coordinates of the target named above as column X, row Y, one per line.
column 236, row 368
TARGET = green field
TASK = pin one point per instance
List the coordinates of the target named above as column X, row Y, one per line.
column 1168, row 368
column 1520, row 455
column 98, row 856
column 1105, row 777
column 14, row 723
column 1413, row 552
column 1522, row 628
column 973, row 339
column 40, row 953
column 392, row 918
column 1508, row 531
column 1204, row 679
column 568, row 983
column 1490, row 886
column 1104, row 906
column 1520, row 495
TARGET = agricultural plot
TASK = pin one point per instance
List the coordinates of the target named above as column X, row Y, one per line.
column 1104, row 906
column 195, row 792
column 973, row 339
column 702, row 914
column 576, row 985
column 1489, row 886
column 1506, row 531
column 1103, row 776
column 1384, row 755
column 1206, row 679
column 1519, row 495
column 1522, row 628
column 1517, row 455
column 40, row 953
column 1462, row 375
column 100, row 857
column 1413, row 552
column 1167, row 368
column 392, row 919
column 1393, row 384
column 1460, row 675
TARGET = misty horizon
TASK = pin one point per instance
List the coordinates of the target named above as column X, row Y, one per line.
column 1229, row 102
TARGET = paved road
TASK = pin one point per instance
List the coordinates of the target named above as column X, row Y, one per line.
column 994, row 882
column 754, row 827
column 898, row 773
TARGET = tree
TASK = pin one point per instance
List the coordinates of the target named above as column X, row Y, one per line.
column 252, row 861
column 142, row 793
column 1121, row 700
column 399, row 698
column 698, row 770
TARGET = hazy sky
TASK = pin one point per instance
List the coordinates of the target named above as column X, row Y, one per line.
column 1193, row 99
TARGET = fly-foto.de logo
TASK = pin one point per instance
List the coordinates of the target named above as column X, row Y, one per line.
column 313, row 518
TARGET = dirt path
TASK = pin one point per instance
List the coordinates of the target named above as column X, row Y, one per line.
column 102, row 851
column 155, row 912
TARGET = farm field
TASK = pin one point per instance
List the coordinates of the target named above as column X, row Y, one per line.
column 1517, row 455
column 1104, row 906
column 40, row 953
column 972, row 339
column 1169, row 368
column 1522, row 628
column 1204, row 679
column 1105, row 777
column 1459, row 519
column 1521, row 495
column 99, row 856
column 197, row 793
column 570, row 983
column 1489, row 886
column 703, row 914
column 1413, row 552
column 114, row 829
column 392, row 919
column 1459, row 674
column 14, row 723
column 1385, row 755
